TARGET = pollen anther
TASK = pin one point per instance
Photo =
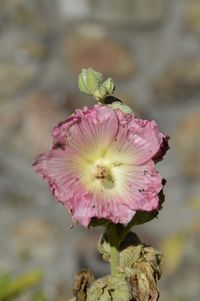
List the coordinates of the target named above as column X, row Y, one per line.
column 102, row 170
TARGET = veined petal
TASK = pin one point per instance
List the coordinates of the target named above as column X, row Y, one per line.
column 138, row 140
column 156, row 142
column 57, row 168
column 143, row 187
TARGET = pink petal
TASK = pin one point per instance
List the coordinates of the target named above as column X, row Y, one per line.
column 88, row 128
column 83, row 210
column 113, row 208
column 164, row 146
column 156, row 141
column 140, row 139
column 143, row 187
column 56, row 168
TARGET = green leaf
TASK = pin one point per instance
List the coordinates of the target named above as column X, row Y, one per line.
column 18, row 285
column 4, row 283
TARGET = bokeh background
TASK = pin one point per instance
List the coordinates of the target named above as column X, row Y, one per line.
column 151, row 48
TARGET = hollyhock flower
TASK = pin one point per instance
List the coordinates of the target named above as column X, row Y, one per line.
column 102, row 164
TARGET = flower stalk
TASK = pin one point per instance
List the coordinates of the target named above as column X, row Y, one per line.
column 102, row 168
column 114, row 248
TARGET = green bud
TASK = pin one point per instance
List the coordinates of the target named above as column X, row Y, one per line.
column 91, row 83
column 89, row 80
column 109, row 85
column 119, row 105
column 100, row 93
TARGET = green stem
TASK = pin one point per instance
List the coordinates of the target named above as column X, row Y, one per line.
column 125, row 231
column 114, row 246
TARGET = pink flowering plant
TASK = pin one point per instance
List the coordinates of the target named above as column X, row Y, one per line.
column 102, row 168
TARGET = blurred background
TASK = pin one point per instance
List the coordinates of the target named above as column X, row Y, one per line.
column 151, row 48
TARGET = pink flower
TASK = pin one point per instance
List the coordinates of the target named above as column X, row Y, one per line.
column 102, row 164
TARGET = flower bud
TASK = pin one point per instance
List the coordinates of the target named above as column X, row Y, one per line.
column 91, row 83
column 89, row 80
column 100, row 93
column 109, row 85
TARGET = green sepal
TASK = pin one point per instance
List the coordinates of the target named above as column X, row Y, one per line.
column 121, row 106
column 142, row 217
column 96, row 222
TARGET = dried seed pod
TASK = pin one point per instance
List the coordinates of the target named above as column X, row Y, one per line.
column 82, row 281
column 110, row 288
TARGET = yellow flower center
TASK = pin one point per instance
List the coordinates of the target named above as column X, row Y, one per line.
column 103, row 172
column 102, row 169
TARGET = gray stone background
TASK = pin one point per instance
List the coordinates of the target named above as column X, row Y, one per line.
column 151, row 48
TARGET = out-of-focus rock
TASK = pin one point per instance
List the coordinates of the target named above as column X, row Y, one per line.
column 84, row 48
column 15, row 77
column 128, row 12
column 16, row 200
column 180, row 82
column 36, row 237
column 192, row 15
column 20, row 60
column 35, row 49
column 20, row 46
column 33, row 231
column 187, row 140
column 30, row 14
column 71, row 10
column 39, row 115
column 28, row 128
